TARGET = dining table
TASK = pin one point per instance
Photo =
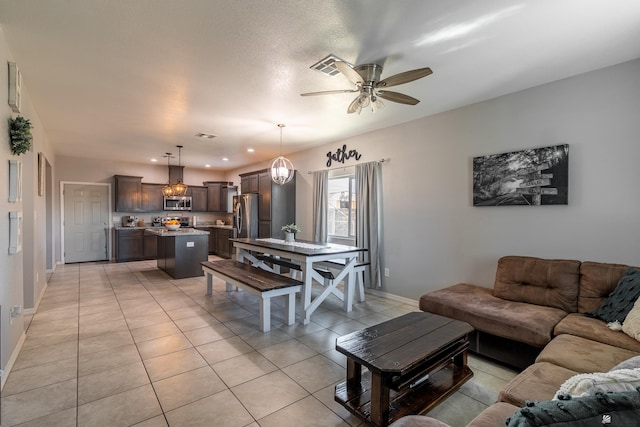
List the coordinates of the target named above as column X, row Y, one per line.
column 308, row 255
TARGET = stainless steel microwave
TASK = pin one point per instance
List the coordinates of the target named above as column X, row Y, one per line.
column 173, row 203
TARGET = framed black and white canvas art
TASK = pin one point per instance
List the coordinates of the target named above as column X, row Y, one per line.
column 537, row 176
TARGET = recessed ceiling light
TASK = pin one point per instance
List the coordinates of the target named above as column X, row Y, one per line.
column 205, row 135
column 154, row 160
column 207, row 166
column 224, row 159
column 250, row 150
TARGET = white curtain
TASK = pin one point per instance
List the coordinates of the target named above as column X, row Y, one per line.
column 368, row 202
column 320, row 208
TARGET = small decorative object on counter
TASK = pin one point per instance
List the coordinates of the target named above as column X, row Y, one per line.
column 290, row 231
column 172, row 224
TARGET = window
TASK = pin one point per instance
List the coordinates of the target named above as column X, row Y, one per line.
column 341, row 220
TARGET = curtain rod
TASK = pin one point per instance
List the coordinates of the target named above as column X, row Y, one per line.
column 344, row 167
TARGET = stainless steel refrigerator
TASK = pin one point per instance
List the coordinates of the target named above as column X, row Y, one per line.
column 245, row 215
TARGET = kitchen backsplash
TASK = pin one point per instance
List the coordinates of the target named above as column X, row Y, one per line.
column 202, row 218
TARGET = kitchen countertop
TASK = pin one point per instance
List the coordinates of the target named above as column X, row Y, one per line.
column 187, row 231
column 149, row 227
column 205, row 225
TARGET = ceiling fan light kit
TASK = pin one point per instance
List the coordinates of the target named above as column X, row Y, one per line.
column 282, row 170
column 366, row 79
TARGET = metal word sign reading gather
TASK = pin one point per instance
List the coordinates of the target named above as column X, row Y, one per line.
column 342, row 155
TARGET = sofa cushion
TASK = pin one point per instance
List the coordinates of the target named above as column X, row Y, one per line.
column 527, row 323
column 583, row 355
column 494, row 415
column 539, row 381
column 546, row 282
column 621, row 300
column 631, row 325
column 615, row 409
column 595, row 330
column 597, row 281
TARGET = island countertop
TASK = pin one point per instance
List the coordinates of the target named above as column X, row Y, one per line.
column 163, row 232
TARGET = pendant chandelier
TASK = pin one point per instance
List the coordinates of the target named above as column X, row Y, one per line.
column 178, row 189
column 281, row 168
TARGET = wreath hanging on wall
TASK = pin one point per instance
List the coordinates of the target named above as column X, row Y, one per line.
column 20, row 135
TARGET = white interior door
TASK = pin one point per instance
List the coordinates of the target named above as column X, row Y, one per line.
column 86, row 216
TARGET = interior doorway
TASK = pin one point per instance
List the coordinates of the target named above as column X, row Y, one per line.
column 85, row 222
column 48, row 194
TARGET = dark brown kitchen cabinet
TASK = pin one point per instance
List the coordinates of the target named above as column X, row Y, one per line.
column 150, row 245
column 129, row 245
column 249, row 182
column 276, row 203
column 152, row 197
column 214, row 197
column 135, row 245
column 212, row 238
column 199, row 198
column 224, row 247
column 217, row 192
column 128, row 191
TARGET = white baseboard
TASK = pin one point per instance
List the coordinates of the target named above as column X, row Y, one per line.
column 393, row 297
column 12, row 360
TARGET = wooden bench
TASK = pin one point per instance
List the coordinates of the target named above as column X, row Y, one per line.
column 258, row 282
column 359, row 269
column 325, row 271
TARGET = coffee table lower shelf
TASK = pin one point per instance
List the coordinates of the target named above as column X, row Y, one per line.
column 410, row 401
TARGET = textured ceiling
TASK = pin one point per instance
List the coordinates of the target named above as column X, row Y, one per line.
column 129, row 80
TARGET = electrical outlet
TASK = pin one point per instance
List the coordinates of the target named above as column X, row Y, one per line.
column 386, row 272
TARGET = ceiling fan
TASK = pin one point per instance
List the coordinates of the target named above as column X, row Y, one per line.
column 366, row 78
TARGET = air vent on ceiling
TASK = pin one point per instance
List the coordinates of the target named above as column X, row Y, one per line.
column 205, row 135
column 327, row 65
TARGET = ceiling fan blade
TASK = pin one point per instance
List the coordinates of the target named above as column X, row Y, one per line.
column 354, row 106
column 329, row 92
column 406, row 77
column 397, row 97
column 349, row 72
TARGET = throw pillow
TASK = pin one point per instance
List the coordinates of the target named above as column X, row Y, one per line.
column 615, row 409
column 587, row 384
column 621, row 300
column 631, row 363
column 631, row 325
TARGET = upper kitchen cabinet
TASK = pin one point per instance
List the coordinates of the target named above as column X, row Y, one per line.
column 249, row 182
column 152, row 197
column 217, row 195
column 128, row 193
column 198, row 198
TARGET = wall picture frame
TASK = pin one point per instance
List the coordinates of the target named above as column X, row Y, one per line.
column 536, row 176
column 15, row 181
column 15, row 87
column 15, row 232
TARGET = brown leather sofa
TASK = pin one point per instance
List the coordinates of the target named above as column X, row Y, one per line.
column 536, row 308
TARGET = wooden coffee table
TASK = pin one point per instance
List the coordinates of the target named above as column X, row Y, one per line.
column 414, row 362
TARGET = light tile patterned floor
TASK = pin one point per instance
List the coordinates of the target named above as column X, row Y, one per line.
column 123, row 344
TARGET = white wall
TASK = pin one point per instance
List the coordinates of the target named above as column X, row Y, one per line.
column 434, row 237
column 22, row 275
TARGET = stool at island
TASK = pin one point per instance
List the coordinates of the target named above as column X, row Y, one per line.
column 258, row 282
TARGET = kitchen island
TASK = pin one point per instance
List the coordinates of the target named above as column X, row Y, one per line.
column 180, row 252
